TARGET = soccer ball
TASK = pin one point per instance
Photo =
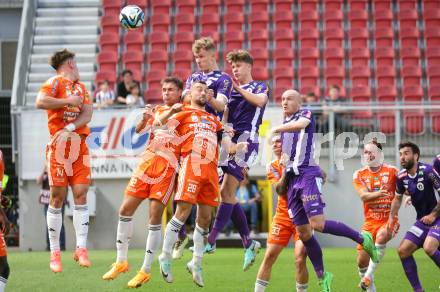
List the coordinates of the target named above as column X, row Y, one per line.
column 131, row 17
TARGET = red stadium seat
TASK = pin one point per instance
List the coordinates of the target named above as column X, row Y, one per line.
column 158, row 60
column 210, row 6
column 359, row 57
column 153, row 96
column 308, row 76
column 183, row 41
column 384, row 37
column 387, row 122
column 361, row 94
column 134, row 41
column 141, row 3
column 233, row 21
column 161, row 7
column 434, row 93
column 333, row 19
column 260, row 56
column 357, row 5
column 111, row 7
column 334, row 75
column 283, row 19
column 334, row 38
column 110, row 76
column 407, row 4
column 358, row 37
column 277, row 93
column 283, row 5
column 137, row 75
column 160, row 22
column 409, row 37
column 234, row 5
column 153, row 78
column 183, row 59
column 382, row 5
column 358, row 18
column 411, row 75
column 107, row 60
column 307, row 89
column 308, row 19
column 212, row 34
column 432, row 35
column 133, row 60
column 410, row 56
column 435, row 122
column 334, row 57
column 182, row 74
column 283, row 77
column 283, row 38
column 309, row 38
column 233, row 40
column 259, row 5
column 109, row 42
column 260, row 73
column 385, row 75
column 384, row 56
column 431, row 5
column 258, row 38
column 433, row 56
column 432, row 18
column 284, row 58
column 258, row 20
column 383, row 18
column 185, row 22
column 414, row 122
column 360, row 76
column 110, row 24
column 408, row 18
column 412, row 93
column 308, row 57
column 386, row 94
column 186, row 6
column 308, row 5
column 333, row 5
column 158, row 41
column 209, row 22
column 434, row 75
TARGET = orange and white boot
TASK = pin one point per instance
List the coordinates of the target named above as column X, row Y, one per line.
column 82, row 257
column 55, row 261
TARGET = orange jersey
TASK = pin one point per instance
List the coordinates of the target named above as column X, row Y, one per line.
column 377, row 209
column 198, row 132
column 2, row 172
column 274, row 172
column 60, row 87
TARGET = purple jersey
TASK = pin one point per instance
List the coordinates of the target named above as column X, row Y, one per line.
column 436, row 164
column 218, row 81
column 244, row 116
column 299, row 146
column 423, row 188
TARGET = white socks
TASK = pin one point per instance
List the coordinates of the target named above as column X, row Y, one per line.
column 54, row 223
column 372, row 266
column 125, row 230
column 81, row 224
column 362, row 272
column 199, row 244
column 3, row 282
column 153, row 243
column 301, row 287
column 171, row 235
column 260, row 285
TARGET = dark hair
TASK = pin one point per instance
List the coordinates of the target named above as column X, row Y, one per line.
column 374, row 142
column 59, row 57
column 134, row 85
column 311, row 93
column 334, row 86
column 126, row 71
column 240, row 56
column 415, row 149
column 171, row 79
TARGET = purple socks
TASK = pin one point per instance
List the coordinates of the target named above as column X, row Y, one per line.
column 314, row 252
column 221, row 219
column 436, row 258
column 410, row 268
column 340, row 229
column 239, row 219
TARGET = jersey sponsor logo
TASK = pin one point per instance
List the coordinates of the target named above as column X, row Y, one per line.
column 420, row 179
column 420, row 186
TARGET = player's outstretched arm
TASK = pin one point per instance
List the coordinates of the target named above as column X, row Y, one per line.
column 367, row 196
column 45, row 101
column 84, row 117
column 163, row 118
column 218, row 103
column 293, row 126
column 256, row 99
column 147, row 113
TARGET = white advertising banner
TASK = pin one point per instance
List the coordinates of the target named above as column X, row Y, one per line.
column 114, row 146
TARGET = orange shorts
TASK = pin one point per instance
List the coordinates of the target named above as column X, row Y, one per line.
column 153, row 179
column 68, row 162
column 3, row 251
column 374, row 226
column 198, row 183
column 281, row 231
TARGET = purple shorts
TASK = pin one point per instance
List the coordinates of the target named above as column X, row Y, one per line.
column 238, row 163
column 419, row 231
column 304, row 196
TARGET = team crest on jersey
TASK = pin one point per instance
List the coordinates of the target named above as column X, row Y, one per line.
column 420, row 186
column 385, row 179
column 420, row 172
column 194, row 118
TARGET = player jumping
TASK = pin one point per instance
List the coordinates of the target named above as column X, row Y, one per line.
column 282, row 230
column 69, row 110
column 4, row 229
column 154, row 179
column 376, row 186
column 422, row 183
column 304, row 180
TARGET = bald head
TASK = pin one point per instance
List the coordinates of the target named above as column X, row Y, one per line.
column 291, row 101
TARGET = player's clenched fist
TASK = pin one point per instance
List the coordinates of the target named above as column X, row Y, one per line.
column 148, row 112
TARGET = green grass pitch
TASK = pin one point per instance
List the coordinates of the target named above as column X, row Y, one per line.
column 222, row 272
